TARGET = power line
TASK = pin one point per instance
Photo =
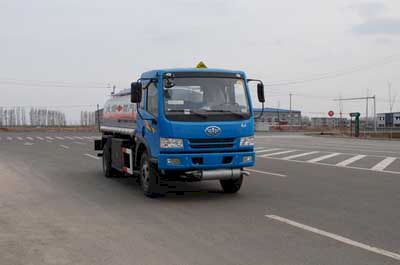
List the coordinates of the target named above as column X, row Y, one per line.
column 331, row 75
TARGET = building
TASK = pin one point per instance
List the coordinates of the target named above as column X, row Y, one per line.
column 273, row 116
column 388, row 120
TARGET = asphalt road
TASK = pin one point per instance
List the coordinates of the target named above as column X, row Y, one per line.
column 309, row 200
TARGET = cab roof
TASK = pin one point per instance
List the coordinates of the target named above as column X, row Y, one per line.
column 160, row 72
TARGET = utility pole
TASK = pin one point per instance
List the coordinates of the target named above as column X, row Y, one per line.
column 290, row 111
column 374, row 113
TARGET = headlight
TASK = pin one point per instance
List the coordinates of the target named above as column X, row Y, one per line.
column 171, row 143
column 247, row 141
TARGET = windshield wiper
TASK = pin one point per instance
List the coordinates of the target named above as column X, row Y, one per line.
column 242, row 115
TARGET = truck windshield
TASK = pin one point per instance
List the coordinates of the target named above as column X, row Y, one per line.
column 206, row 99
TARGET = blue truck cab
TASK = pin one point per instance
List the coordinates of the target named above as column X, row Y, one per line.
column 191, row 124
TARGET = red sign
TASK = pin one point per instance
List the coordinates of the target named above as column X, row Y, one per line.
column 120, row 108
column 331, row 113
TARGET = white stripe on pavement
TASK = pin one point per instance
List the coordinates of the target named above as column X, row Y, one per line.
column 317, row 159
column 92, row 156
column 336, row 237
column 27, row 143
column 40, row 138
column 9, row 138
column 77, row 137
column 64, row 146
column 279, row 153
column 384, row 163
column 29, row 138
column 267, row 173
column 59, row 138
column 300, row 155
column 50, row 138
column 20, row 138
column 350, row 160
column 81, row 143
column 268, row 150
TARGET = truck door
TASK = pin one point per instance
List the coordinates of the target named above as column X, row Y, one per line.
column 150, row 128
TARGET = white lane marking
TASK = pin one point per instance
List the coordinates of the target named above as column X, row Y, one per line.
column 258, row 148
column 266, row 173
column 29, row 138
column 279, row 153
column 300, row 155
column 317, row 159
column 336, row 237
column 20, row 138
column 92, row 156
column 27, row 143
column 50, row 138
column 79, row 143
column 77, row 137
column 384, row 163
column 87, row 137
column 59, row 138
column 330, row 165
column 268, row 150
column 350, row 160
column 9, row 138
column 40, row 138
column 69, row 137
column 64, row 146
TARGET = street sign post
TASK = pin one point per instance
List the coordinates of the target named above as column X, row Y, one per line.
column 355, row 115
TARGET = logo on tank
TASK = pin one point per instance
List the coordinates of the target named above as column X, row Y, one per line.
column 213, row 131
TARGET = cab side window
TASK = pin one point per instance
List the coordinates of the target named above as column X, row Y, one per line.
column 152, row 99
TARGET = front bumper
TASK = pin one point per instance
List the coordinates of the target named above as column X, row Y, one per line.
column 198, row 161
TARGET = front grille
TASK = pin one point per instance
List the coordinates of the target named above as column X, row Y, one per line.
column 212, row 143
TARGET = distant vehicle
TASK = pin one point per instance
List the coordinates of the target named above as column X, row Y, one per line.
column 189, row 124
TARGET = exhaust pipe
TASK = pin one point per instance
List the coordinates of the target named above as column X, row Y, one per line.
column 218, row 174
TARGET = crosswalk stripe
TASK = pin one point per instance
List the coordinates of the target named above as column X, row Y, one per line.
column 59, row 138
column 77, row 137
column 317, row 159
column 27, row 143
column 268, row 150
column 300, row 155
column 279, row 153
column 350, row 160
column 69, row 137
column 384, row 163
column 20, row 138
column 87, row 137
column 29, row 138
column 40, row 138
column 50, row 138
column 9, row 138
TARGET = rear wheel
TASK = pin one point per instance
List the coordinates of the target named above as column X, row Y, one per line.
column 149, row 177
column 231, row 185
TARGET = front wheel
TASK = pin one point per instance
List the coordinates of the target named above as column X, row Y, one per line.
column 149, row 177
column 231, row 185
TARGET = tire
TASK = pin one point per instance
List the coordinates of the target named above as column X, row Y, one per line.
column 108, row 171
column 231, row 185
column 149, row 178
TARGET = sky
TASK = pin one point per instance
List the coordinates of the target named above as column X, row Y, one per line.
column 69, row 53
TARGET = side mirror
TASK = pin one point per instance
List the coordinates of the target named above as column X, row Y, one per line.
column 260, row 92
column 136, row 92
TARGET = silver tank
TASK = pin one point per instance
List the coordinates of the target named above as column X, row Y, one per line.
column 119, row 114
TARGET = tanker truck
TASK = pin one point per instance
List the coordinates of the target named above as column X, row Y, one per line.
column 189, row 124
